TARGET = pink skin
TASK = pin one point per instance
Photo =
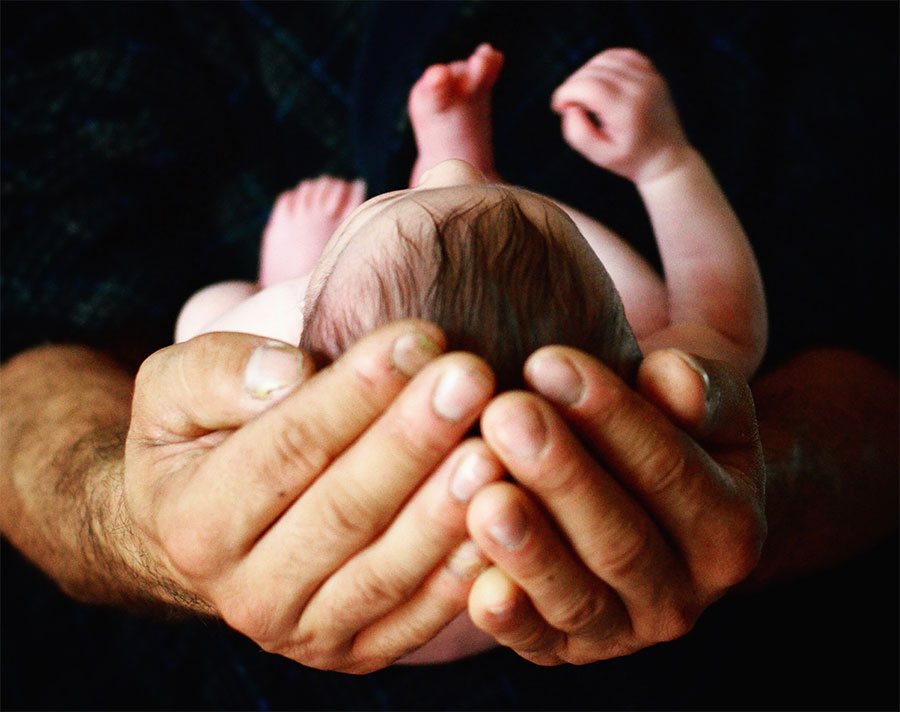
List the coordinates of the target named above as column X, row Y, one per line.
column 450, row 110
column 301, row 222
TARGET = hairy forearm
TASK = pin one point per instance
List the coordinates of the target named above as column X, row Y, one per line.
column 828, row 422
column 64, row 419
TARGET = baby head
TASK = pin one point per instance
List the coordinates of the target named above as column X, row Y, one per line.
column 501, row 270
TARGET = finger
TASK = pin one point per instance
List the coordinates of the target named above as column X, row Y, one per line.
column 709, row 399
column 701, row 506
column 619, row 74
column 213, row 382
column 431, row 608
column 245, row 483
column 580, row 132
column 625, row 56
column 385, row 575
column 513, row 532
column 594, row 94
column 499, row 608
column 354, row 500
column 604, row 525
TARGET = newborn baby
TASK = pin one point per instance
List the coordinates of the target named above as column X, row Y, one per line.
column 501, row 269
column 504, row 270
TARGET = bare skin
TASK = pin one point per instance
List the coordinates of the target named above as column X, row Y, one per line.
column 450, row 110
column 830, row 489
column 143, row 524
column 300, row 224
column 711, row 302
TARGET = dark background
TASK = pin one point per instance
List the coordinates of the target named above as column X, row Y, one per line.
column 142, row 148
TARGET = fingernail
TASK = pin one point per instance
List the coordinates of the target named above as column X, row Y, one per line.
column 471, row 475
column 523, row 432
column 466, row 562
column 272, row 367
column 458, row 393
column 412, row 351
column 556, row 378
column 498, row 593
column 695, row 366
column 511, row 531
column 502, row 609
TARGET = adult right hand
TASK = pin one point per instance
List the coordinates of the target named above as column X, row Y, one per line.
column 303, row 524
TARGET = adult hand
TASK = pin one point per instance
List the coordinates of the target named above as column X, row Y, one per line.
column 303, row 524
column 618, row 539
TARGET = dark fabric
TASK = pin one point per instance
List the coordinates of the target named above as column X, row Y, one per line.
column 143, row 145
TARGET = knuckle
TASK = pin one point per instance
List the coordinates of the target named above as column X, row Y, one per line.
column 632, row 544
column 344, row 516
column 413, row 444
column 661, row 469
column 314, row 649
column 369, row 653
column 256, row 618
column 533, row 642
column 676, row 622
column 579, row 614
column 295, row 450
column 373, row 590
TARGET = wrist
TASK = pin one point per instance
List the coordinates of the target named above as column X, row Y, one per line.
column 129, row 569
column 670, row 160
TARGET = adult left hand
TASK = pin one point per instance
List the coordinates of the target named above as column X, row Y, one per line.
column 631, row 511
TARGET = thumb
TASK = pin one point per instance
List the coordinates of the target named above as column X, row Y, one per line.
column 708, row 399
column 216, row 381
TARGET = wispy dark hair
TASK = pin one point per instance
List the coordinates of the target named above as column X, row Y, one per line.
column 496, row 283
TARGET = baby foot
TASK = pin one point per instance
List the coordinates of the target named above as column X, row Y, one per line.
column 450, row 110
column 300, row 224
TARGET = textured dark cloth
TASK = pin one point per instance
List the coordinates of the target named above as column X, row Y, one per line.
column 143, row 145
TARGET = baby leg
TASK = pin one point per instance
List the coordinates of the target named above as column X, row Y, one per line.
column 209, row 304
column 450, row 110
column 301, row 222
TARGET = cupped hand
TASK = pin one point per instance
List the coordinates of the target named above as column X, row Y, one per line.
column 617, row 112
column 291, row 503
column 631, row 511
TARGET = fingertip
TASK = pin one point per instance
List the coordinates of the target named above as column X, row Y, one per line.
column 399, row 349
column 577, row 125
column 678, row 384
column 514, row 425
column 474, row 466
column 493, row 600
column 274, row 369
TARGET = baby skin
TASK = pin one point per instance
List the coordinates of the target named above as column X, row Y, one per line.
column 616, row 111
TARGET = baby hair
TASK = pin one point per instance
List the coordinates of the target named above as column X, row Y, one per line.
column 497, row 283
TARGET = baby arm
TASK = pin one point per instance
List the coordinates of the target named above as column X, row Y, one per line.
column 715, row 303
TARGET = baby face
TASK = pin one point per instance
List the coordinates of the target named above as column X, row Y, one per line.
column 442, row 190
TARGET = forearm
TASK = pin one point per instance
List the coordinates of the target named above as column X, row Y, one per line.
column 829, row 423
column 710, row 270
column 64, row 419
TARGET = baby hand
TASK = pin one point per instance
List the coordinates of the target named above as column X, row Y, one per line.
column 639, row 135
